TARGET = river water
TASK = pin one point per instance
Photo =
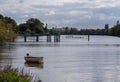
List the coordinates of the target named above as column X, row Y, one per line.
column 73, row 59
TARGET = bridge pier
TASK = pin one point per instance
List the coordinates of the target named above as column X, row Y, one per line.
column 25, row 38
column 37, row 38
column 56, row 38
column 48, row 38
column 88, row 37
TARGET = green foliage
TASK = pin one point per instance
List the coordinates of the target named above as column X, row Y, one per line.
column 46, row 29
column 3, row 35
column 8, row 74
column 23, row 27
column 7, row 34
column 115, row 31
column 1, row 16
column 8, row 29
column 106, row 26
column 117, row 23
column 75, row 31
column 32, row 25
column 11, row 24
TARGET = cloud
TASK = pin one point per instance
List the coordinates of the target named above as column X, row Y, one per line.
column 51, row 12
column 76, row 13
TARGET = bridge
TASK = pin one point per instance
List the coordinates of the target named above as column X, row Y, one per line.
column 48, row 37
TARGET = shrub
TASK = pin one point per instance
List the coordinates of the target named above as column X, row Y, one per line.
column 8, row 74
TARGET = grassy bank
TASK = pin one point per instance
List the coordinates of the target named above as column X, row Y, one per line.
column 9, row 74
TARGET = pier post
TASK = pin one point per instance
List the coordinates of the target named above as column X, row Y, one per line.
column 25, row 38
column 88, row 37
column 37, row 38
column 56, row 38
column 48, row 38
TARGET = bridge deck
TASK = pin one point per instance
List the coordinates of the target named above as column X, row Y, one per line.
column 39, row 34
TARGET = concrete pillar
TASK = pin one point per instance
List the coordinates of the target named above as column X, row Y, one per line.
column 88, row 37
column 48, row 38
column 25, row 38
column 56, row 38
column 37, row 38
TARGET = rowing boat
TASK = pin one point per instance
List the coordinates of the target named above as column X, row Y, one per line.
column 30, row 59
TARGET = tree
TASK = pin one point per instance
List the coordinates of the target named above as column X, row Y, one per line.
column 117, row 23
column 35, row 25
column 1, row 16
column 7, row 29
column 67, row 30
column 115, row 31
column 106, row 26
column 32, row 26
column 3, row 35
column 23, row 27
column 10, row 24
column 46, row 28
column 73, row 31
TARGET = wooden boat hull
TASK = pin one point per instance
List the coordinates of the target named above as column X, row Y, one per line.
column 30, row 59
column 38, row 65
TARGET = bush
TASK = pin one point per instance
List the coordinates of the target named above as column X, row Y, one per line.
column 8, row 74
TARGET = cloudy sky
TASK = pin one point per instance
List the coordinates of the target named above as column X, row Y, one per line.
column 61, row 13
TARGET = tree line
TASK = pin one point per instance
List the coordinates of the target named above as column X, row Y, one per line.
column 9, row 29
column 113, row 31
column 33, row 26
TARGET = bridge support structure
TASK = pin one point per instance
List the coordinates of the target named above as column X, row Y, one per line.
column 25, row 38
column 48, row 38
column 37, row 38
column 56, row 38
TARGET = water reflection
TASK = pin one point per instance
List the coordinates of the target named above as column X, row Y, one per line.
column 34, row 44
column 5, row 55
column 71, row 60
column 38, row 65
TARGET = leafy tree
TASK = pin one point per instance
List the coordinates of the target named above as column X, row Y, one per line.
column 106, row 28
column 117, row 23
column 46, row 29
column 67, row 30
column 28, row 31
column 7, row 29
column 115, row 31
column 32, row 26
column 11, row 22
column 73, row 31
column 3, row 35
column 23, row 27
column 1, row 16
column 35, row 25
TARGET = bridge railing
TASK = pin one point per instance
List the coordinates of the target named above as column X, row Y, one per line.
column 38, row 34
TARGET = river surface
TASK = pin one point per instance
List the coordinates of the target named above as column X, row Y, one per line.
column 73, row 59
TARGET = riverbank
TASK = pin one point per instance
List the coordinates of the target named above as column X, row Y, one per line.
column 9, row 74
